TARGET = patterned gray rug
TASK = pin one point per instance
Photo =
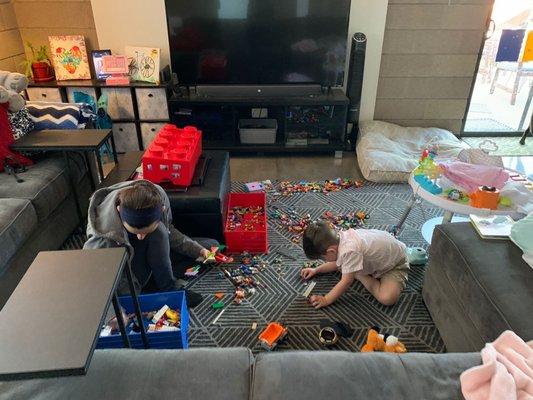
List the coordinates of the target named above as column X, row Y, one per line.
column 281, row 300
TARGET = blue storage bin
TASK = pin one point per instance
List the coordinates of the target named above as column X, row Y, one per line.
column 157, row 340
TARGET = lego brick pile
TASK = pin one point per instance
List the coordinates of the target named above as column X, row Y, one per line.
column 277, row 294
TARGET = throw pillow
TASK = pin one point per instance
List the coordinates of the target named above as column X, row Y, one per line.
column 21, row 123
column 54, row 115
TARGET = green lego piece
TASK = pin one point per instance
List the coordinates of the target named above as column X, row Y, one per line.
column 218, row 304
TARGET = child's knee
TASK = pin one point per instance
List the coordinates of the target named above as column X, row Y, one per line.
column 388, row 299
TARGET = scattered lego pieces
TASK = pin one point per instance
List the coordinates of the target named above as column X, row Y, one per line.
column 254, row 326
column 193, row 271
column 218, row 304
column 289, row 189
column 346, row 221
column 246, row 219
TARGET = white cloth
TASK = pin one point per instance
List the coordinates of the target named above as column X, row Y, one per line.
column 521, row 196
column 370, row 251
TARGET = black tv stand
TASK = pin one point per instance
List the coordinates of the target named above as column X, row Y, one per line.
column 310, row 122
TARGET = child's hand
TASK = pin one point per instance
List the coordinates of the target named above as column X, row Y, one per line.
column 204, row 253
column 307, row 273
column 318, row 301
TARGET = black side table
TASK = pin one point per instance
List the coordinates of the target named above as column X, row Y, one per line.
column 51, row 323
column 65, row 140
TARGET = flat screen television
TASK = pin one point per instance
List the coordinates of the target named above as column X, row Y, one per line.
column 258, row 42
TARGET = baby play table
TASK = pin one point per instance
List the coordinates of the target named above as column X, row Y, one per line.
column 450, row 208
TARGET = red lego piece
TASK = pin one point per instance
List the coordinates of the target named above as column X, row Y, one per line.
column 172, row 156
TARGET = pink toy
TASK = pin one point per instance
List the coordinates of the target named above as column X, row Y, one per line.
column 172, row 156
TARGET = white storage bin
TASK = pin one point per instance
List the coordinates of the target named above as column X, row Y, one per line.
column 120, row 103
column 125, row 135
column 258, row 131
column 149, row 130
column 52, row 95
column 152, row 103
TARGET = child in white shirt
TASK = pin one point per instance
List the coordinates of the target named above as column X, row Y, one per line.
column 373, row 257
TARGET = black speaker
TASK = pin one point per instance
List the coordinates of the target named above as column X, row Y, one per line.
column 355, row 82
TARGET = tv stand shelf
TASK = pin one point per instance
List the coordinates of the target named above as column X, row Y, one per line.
column 322, row 118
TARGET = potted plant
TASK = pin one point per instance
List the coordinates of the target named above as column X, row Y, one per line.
column 40, row 66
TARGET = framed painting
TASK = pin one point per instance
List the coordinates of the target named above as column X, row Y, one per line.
column 69, row 57
column 96, row 64
column 143, row 63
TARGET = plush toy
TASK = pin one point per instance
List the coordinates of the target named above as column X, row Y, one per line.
column 11, row 84
column 382, row 342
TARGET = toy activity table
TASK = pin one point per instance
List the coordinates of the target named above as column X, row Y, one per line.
column 450, row 208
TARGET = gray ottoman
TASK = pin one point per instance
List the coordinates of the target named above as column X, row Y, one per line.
column 476, row 288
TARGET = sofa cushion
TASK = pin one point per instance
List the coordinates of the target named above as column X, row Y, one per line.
column 45, row 183
column 342, row 375
column 147, row 374
column 17, row 221
column 476, row 288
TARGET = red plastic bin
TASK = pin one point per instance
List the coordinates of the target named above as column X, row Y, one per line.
column 172, row 156
column 238, row 237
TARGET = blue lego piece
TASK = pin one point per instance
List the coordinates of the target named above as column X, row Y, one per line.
column 427, row 184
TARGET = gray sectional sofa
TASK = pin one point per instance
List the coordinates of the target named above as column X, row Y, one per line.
column 476, row 288
column 234, row 374
column 37, row 214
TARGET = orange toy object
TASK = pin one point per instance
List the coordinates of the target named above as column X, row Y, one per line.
column 378, row 342
column 272, row 335
column 485, row 197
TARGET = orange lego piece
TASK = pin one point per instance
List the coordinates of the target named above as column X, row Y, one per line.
column 219, row 295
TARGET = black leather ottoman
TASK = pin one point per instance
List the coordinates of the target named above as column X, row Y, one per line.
column 200, row 211
column 476, row 288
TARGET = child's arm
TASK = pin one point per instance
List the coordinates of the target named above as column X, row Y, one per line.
column 308, row 273
column 344, row 284
column 326, row 267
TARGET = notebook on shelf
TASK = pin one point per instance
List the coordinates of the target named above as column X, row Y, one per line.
column 494, row 227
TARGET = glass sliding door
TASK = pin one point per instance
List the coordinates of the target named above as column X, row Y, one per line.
column 500, row 103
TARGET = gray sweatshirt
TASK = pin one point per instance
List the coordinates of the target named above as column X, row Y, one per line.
column 105, row 229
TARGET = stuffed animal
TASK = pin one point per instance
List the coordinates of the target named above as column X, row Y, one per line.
column 382, row 342
column 11, row 84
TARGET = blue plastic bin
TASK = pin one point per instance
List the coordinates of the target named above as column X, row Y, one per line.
column 157, row 340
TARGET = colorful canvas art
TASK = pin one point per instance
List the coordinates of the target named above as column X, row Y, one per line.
column 69, row 57
column 143, row 63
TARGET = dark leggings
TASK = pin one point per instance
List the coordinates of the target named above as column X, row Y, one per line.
column 155, row 266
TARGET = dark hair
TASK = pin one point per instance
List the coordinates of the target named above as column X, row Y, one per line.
column 317, row 238
column 140, row 195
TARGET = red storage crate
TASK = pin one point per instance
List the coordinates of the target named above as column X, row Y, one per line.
column 172, row 156
column 248, row 231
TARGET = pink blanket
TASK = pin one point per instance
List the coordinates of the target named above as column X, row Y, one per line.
column 471, row 176
column 506, row 372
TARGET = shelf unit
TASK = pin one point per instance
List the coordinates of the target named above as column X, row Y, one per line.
column 138, row 110
column 218, row 118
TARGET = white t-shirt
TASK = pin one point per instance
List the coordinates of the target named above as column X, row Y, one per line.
column 370, row 251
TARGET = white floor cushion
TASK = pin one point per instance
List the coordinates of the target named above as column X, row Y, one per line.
column 388, row 152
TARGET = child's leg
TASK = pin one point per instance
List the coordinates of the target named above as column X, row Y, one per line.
column 386, row 291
